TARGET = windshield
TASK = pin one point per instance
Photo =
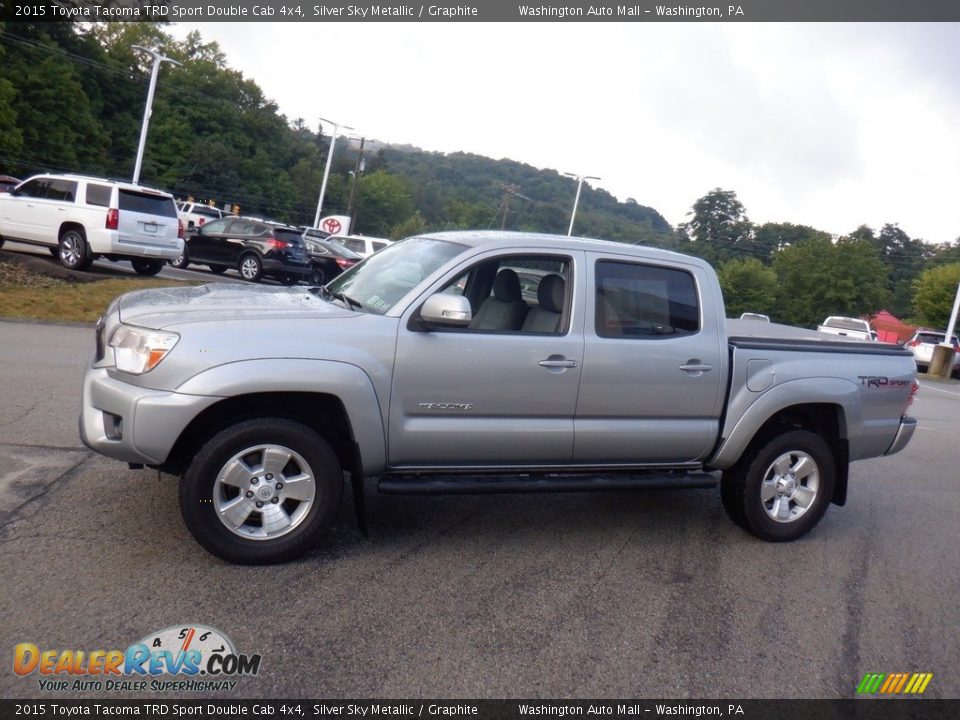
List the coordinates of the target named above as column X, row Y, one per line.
column 382, row 279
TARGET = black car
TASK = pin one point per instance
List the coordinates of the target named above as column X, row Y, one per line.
column 254, row 247
column 329, row 260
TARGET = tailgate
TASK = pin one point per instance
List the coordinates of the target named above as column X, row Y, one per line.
column 147, row 219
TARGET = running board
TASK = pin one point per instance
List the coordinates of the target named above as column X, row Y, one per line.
column 487, row 484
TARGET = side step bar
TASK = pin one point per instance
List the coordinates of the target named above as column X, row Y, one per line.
column 488, row 484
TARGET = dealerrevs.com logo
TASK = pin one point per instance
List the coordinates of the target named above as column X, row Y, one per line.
column 181, row 658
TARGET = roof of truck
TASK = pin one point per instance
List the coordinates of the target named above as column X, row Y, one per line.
column 503, row 238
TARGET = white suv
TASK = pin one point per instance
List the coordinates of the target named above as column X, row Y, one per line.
column 922, row 343
column 82, row 218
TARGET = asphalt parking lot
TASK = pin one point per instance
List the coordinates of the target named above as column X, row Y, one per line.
column 653, row 594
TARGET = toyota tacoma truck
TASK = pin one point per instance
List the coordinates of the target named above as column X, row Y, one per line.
column 428, row 368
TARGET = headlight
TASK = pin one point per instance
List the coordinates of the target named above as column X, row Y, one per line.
column 138, row 350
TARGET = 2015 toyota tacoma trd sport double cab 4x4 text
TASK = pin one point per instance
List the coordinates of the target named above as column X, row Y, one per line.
column 482, row 362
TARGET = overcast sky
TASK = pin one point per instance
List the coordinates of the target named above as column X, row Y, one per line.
column 829, row 125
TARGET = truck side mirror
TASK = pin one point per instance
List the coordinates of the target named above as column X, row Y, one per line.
column 446, row 310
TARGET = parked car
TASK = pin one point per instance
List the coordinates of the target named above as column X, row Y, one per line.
column 8, row 183
column 253, row 246
column 312, row 233
column 82, row 218
column 922, row 343
column 360, row 244
column 848, row 327
column 435, row 379
column 329, row 260
column 194, row 214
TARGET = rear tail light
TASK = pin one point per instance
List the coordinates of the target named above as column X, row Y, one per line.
column 913, row 343
column 180, row 228
column 344, row 263
column 201, row 221
column 914, row 389
column 279, row 244
column 113, row 219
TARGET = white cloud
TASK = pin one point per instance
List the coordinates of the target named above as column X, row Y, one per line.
column 827, row 125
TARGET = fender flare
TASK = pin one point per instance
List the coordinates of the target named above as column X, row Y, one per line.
column 347, row 382
column 828, row 391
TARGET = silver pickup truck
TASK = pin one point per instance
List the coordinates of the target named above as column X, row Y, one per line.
column 482, row 362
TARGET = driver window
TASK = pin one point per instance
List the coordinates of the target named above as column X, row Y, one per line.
column 520, row 293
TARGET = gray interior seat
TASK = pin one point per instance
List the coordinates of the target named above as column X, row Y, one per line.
column 505, row 309
column 545, row 318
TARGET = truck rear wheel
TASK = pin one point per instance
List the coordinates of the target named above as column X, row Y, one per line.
column 261, row 491
column 781, row 487
column 147, row 267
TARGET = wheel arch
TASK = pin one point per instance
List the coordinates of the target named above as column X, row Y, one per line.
column 829, row 419
column 321, row 412
column 71, row 225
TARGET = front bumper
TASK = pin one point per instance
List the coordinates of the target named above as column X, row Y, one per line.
column 134, row 424
column 904, row 433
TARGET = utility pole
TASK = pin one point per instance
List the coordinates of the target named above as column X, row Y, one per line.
column 358, row 168
column 580, row 179
column 508, row 190
column 326, row 171
column 148, row 110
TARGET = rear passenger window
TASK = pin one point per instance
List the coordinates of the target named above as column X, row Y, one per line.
column 98, row 195
column 147, row 203
column 65, row 190
column 645, row 301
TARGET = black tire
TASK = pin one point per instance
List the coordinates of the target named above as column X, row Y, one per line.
column 250, row 267
column 201, row 492
column 73, row 250
column 319, row 276
column 147, row 267
column 218, row 269
column 743, row 487
column 182, row 261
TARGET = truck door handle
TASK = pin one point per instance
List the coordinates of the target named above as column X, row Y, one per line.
column 695, row 367
column 557, row 361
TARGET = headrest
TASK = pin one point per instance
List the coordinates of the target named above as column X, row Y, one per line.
column 550, row 293
column 506, row 286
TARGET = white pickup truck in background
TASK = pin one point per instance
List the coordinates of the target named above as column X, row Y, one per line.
column 848, row 327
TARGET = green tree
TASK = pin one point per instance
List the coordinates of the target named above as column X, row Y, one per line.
column 818, row 278
column 934, row 292
column 719, row 227
column 748, row 286
column 384, row 201
column 770, row 237
column 413, row 225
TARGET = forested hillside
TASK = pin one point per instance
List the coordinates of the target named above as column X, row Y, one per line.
column 72, row 99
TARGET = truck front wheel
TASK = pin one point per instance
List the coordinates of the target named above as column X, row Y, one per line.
column 781, row 487
column 261, row 491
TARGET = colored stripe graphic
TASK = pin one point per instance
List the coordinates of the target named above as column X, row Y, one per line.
column 894, row 683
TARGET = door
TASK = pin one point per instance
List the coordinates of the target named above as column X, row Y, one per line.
column 654, row 366
column 491, row 395
column 205, row 244
column 21, row 210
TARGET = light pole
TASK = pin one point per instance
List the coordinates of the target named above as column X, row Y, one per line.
column 580, row 179
column 157, row 59
column 326, row 171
